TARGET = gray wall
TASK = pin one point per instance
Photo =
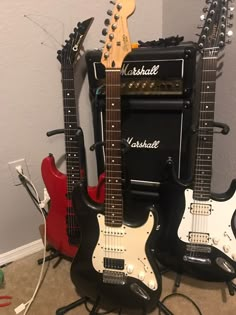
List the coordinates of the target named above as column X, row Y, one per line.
column 181, row 17
column 31, row 96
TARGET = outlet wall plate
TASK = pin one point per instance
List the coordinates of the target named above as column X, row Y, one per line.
column 14, row 174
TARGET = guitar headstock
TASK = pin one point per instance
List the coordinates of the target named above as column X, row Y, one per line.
column 117, row 43
column 213, row 33
column 69, row 53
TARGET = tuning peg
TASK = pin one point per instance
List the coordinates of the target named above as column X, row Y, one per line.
column 199, row 26
column 229, row 25
column 205, row 9
column 104, row 32
column 208, row 1
column 231, row 15
column 119, row 6
column 230, row 33
column 102, row 41
column 114, row 26
column 112, row 2
column 109, row 12
column 107, row 22
column 202, row 17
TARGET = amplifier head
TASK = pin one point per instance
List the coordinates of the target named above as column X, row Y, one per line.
column 149, row 71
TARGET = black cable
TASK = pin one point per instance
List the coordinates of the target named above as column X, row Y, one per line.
column 101, row 313
column 184, row 296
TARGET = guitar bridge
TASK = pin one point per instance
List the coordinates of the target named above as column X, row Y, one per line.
column 114, row 277
column 198, row 248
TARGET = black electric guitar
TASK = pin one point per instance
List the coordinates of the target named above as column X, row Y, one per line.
column 114, row 260
column 198, row 228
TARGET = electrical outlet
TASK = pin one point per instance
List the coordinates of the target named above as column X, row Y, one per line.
column 14, row 174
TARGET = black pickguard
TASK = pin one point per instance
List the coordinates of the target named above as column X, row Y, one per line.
column 171, row 250
column 87, row 280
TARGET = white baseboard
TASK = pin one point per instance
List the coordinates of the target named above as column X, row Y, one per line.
column 21, row 252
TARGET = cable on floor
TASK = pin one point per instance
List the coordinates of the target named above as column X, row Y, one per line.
column 183, row 296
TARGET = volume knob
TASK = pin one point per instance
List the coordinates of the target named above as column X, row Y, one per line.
column 130, row 268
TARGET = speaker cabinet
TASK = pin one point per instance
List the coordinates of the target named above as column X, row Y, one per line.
column 158, row 106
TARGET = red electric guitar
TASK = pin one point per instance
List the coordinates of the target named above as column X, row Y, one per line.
column 62, row 225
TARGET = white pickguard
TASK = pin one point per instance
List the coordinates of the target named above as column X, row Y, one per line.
column 217, row 224
column 127, row 243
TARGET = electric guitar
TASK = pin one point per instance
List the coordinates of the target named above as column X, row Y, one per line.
column 114, row 261
column 62, row 225
column 199, row 237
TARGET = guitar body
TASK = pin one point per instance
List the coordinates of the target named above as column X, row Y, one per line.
column 135, row 285
column 56, row 221
column 210, row 253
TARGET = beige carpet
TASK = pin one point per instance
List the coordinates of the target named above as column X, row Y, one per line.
column 57, row 290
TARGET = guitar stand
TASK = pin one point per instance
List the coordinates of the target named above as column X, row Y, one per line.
column 65, row 309
column 55, row 254
column 231, row 287
column 84, row 300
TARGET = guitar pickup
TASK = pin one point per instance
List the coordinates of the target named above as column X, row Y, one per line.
column 200, row 209
column 111, row 263
column 198, row 238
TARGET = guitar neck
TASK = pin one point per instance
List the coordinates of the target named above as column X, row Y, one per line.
column 113, row 200
column 203, row 167
column 70, row 127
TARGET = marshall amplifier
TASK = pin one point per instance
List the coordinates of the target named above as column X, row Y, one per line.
column 158, row 108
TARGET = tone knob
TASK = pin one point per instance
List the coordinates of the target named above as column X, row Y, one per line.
column 234, row 256
column 215, row 241
column 141, row 275
column 130, row 268
column 152, row 284
column 226, row 248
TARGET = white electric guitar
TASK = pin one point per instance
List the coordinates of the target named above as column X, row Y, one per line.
column 201, row 238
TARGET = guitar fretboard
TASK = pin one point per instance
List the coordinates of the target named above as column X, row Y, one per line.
column 113, row 199
column 70, row 126
column 203, row 167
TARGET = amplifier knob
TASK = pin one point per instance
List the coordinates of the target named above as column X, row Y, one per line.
column 131, row 85
column 152, row 85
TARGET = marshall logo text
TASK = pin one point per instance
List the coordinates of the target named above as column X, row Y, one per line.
column 143, row 144
column 125, row 71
